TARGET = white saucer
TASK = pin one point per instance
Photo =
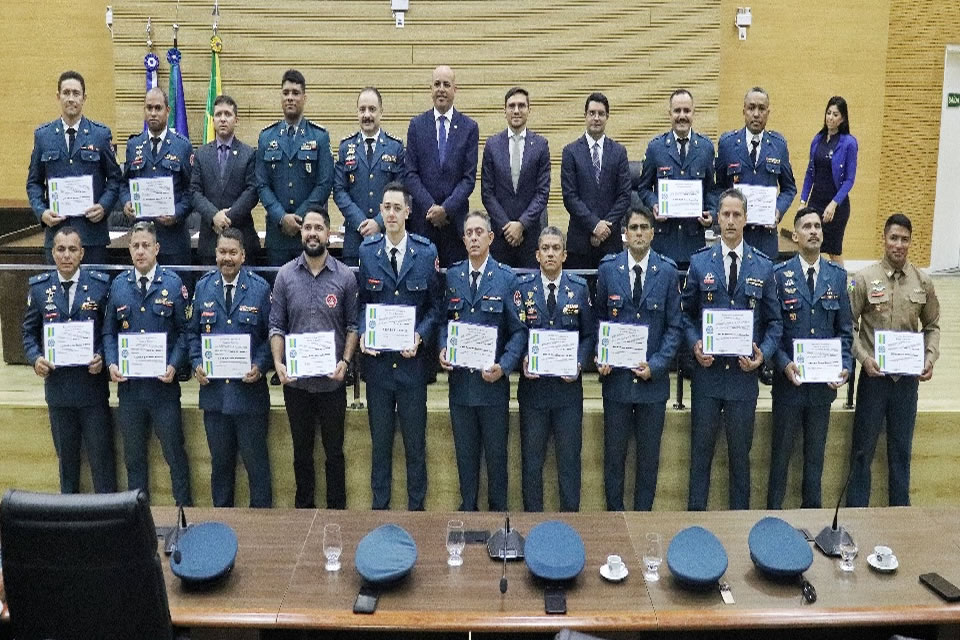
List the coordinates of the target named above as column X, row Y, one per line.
column 882, row 568
column 605, row 572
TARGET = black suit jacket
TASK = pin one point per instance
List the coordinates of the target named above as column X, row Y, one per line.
column 236, row 191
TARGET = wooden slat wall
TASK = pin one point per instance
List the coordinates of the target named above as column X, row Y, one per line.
column 560, row 51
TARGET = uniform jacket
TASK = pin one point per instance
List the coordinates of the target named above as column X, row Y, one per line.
column 358, row 186
column 235, row 190
column 46, row 303
column 92, row 155
column 659, row 309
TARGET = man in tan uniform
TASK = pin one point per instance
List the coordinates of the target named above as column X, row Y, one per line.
column 891, row 295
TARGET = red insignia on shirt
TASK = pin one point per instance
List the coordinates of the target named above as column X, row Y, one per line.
column 613, row 296
column 790, row 301
column 331, row 301
column 373, row 281
column 663, row 168
column 183, row 291
column 516, row 298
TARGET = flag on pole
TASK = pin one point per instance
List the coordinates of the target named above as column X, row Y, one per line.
column 216, row 88
column 177, row 120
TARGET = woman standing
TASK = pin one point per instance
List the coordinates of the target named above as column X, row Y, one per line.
column 830, row 175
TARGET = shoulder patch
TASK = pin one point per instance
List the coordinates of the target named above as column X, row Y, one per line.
column 609, row 257
column 99, row 275
column 577, row 278
column 527, row 277
column 40, row 277
column 775, row 134
column 256, row 277
column 391, row 136
column 207, row 275
column 270, row 126
column 348, row 137
column 419, row 239
column 313, row 124
column 375, row 238
column 727, row 134
column 505, row 267
column 761, row 254
column 780, row 266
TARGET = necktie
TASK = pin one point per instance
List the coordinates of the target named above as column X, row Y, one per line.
column 753, row 149
column 229, row 295
column 552, row 299
column 222, row 151
column 66, row 284
column 516, row 159
column 393, row 261
column 596, row 161
column 474, row 276
column 369, row 152
column 810, row 272
column 637, row 283
column 683, row 148
column 156, row 144
column 71, row 138
column 442, row 138
column 143, row 285
column 291, row 131
column 732, row 280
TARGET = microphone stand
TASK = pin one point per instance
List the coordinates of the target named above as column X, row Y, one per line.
column 830, row 538
column 503, row 576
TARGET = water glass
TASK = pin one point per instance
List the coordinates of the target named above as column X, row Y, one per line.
column 848, row 551
column 455, row 542
column 332, row 546
column 652, row 557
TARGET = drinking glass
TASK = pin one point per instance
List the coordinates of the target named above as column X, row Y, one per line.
column 455, row 542
column 848, row 551
column 332, row 546
column 652, row 557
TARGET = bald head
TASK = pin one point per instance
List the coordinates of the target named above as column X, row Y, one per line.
column 443, row 88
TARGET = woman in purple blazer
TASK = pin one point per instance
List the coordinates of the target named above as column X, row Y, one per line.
column 830, row 175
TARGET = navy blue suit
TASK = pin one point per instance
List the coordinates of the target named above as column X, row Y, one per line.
column 631, row 404
column 735, row 166
column 552, row 403
column 397, row 386
column 148, row 400
column 724, row 387
column 77, row 401
column 92, row 155
column 588, row 202
column 294, row 175
column 174, row 159
column 527, row 204
column 678, row 238
column 449, row 185
column 235, row 412
column 824, row 314
column 479, row 410
column 358, row 185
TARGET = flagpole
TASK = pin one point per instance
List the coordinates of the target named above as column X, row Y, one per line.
column 215, row 87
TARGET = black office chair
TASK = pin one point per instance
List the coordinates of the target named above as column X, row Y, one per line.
column 82, row 566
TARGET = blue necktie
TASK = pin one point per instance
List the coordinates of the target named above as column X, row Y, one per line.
column 442, row 138
column 596, row 161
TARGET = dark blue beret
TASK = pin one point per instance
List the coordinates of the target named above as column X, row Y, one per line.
column 205, row 551
column 554, row 551
column 778, row 549
column 696, row 558
column 386, row 554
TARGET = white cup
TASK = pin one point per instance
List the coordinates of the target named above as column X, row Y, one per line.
column 883, row 554
column 615, row 564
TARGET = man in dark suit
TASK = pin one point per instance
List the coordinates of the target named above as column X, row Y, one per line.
column 224, row 184
column 595, row 179
column 441, row 166
column 515, row 184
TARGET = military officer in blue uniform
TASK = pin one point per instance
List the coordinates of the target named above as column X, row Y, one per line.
column 156, row 153
column 399, row 268
column 480, row 290
column 294, row 171
column 74, row 145
column 77, row 396
column 233, row 300
column 735, row 276
column 149, row 298
column 552, row 299
column 366, row 162
column 679, row 154
column 815, row 305
column 637, row 286
column 757, row 156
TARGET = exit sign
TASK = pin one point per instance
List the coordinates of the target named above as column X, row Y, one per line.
column 953, row 99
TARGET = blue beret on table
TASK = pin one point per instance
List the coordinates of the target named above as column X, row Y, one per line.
column 386, row 554
column 205, row 551
column 696, row 558
column 554, row 551
column 778, row 549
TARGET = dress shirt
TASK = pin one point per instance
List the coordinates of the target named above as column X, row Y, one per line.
column 591, row 142
column 806, row 266
column 726, row 259
column 546, row 284
column 66, row 137
column 73, row 288
column 748, row 140
column 631, row 263
column 436, row 122
column 470, row 270
column 374, row 137
column 689, row 139
column 523, row 139
column 231, row 282
column 401, row 248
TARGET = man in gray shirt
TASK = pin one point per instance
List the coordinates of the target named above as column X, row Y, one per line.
column 316, row 292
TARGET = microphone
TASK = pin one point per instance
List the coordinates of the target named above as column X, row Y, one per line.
column 181, row 526
column 830, row 538
column 503, row 576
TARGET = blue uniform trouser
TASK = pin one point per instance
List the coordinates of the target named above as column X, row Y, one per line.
column 135, row 417
column 92, row 427
column 738, row 418
column 247, row 433
column 620, row 420
column 483, row 430
column 566, row 421
column 788, row 420
column 882, row 400
column 306, row 411
column 405, row 407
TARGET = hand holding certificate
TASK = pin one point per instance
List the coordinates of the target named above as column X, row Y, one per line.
column 226, row 355
column 680, row 198
column 390, row 327
column 472, row 346
column 727, row 332
column 622, row 346
column 899, row 352
column 818, row 360
column 70, row 196
column 310, row 354
column 68, row 344
column 552, row 353
column 152, row 197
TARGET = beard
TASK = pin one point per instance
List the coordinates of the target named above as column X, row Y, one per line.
column 314, row 252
